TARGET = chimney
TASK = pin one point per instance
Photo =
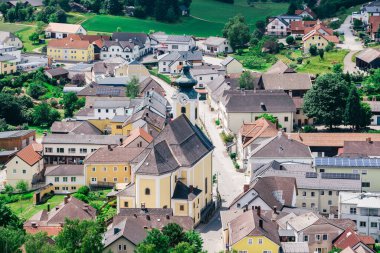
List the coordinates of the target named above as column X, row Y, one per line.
column 261, row 223
column 246, row 208
column 135, row 215
column 369, row 140
column 121, row 141
column 147, row 217
column 245, row 187
column 146, row 114
column 116, row 230
column 56, row 208
column 259, row 211
column 34, row 224
column 263, row 107
column 66, row 200
column 191, row 188
column 168, row 217
column 275, row 209
column 48, row 207
column 109, row 147
column 276, row 123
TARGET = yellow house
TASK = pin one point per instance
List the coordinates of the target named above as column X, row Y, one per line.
column 70, row 49
column 250, row 231
column 319, row 39
column 109, row 166
column 174, row 171
column 7, row 64
column 150, row 121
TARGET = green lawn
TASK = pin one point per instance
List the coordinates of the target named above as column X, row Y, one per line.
column 12, row 27
column 202, row 23
column 24, row 36
column 39, row 130
column 318, row 66
column 25, row 208
column 75, row 18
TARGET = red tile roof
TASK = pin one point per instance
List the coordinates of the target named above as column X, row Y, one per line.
column 135, row 134
column 349, row 238
column 374, row 23
column 69, row 43
column 260, row 128
column 30, row 154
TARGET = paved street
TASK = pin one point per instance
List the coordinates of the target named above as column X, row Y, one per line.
column 230, row 182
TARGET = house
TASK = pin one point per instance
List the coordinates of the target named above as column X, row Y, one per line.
column 252, row 134
column 138, row 138
column 216, row 88
column 96, row 40
column 373, row 28
column 149, row 84
column 131, row 226
column 375, row 109
column 9, row 39
column 299, row 28
column 11, row 51
column 306, row 13
column 206, row 73
column 280, row 148
column 250, row 231
column 173, row 62
column 52, row 220
column 294, row 84
column 328, row 144
column 141, row 39
column 110, row 165
column 356, row 242
column 215, row 45
column 363, row 209
column 280, row 68
column 366, row 168
column 74, row 127
column 232, row 66
column 71, row 50
column 170, row 43
column 368, row 10
column 368, row 59
column 16, row 140
column 82, row 69
column 237, row 106
column 25, row 165
column 367, row 148
column 128, row 50
column 132, row 69
column 278, row 26
column 270, row 193
column 58, row 149
column 317, row 231
column 65, row 178
column 8, row 64
column 316, row 191
column 57, row 73
column 162, row 172
column 61, row 30
column 318, row 35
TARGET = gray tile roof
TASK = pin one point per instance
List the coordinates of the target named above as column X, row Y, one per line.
column 183, row 56
column 182, row 191
column 65, row 170
column 124, row 36
column 362, row 148
column 280, row 68
column 287, row 81
column 74, row 127
column 82, row 139
column 57, row 72
column 113, row 155
column 227, row 60
column 7, row 57
column 369, row 55
column 14, row 134
column 112, row 104
column 102, row 91
column 214, row 41
column 179, row 38
column 267, row 101
column 179, row 144
column 205, row 70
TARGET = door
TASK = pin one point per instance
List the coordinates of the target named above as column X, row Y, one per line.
column 378, row 120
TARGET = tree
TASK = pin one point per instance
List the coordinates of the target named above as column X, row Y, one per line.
column 174, row 232
column 337, row 68
column 112, row 7
column 183, row 247
column 326, row 100
column 246, row 81
column 321, row 53
column 11, row 110
column 11, row 239
column 260, row 25
column 292, row 8
column 118, row 29
column 133, row 88
column 8, row 218
column 313, row 50
column 22, row 186
column 35, row 90
column 81, row 236
column 40, row 27
column 290, row 40
column 237, row 32
column 355, row 114
column 358, row 24
column 195, row 239
column 156, row 238
column 34, row 37
column 85, row 190
column 270, row 118
column 39, row 243
column 70, row 101
column 44, row 115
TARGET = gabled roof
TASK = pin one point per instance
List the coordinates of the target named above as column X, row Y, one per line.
column 179, row 38
column 369, row 54
column 102, row 91
column 214, row 41
column 138, row 132
column 362, row 148
column 15, row 133
column 227, row 61
column 149, row 84
column 179, row 144
column 124, row 36
column 29, row 154
column 287, row 81
column 332, row 139
column 113, row 155
column 69, row 43
column 184, row 192
column 350, row 238
column 65, row 170
column 182, row 56
column 57, row 71
column 61, row 27
column 74, row 127
column 280, row 68
column 261, row 128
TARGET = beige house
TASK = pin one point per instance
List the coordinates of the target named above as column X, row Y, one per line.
column 138, row 138
column 61, row 30
column 66, row 178
column 238, row 106
column 25, row 165
column 132, row 69
column 232, row 66
column 9, row 39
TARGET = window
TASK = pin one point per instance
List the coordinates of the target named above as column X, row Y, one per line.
column 304, row 205
column 330, row 193
column 71, row 150
column 126, row 180
column 364, row 172
column 83, row 150
column 14, row 171
column 286, row 119
column 297, row 111
column 260, row 241
column 56, row 188
column 355, row 171
column 48, row 150
column 322, row 192
column 73, row 187
column 174, row 46
column 324, row 211
column 181, row 207
column 56, row 179
column 304, row 194
column 366, row 184
column 183, row 109
column 125, row 168
column 329, row 202
column 267, row 251
column 115, row 179
column 105, row 169
column 373, row 224
column 317, row 237
column 119, row 127
column 73, row 179
column 60, row 150
column 352, row 210
column 206, row 185
column 363, row 224
column 114, row 168
column 306, row 238
column 93, row 179
column 320, row 155
column 250, row 241
column 147, row 191
column 313, row 194
column 93, row 169
column 324, row 237
column 243, row 251
column 64, row 179
column 312, row 205
column 23, row 171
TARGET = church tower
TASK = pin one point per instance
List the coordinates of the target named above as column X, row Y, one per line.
column 186, row 98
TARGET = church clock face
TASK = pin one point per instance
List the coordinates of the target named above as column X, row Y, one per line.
column 183, row 99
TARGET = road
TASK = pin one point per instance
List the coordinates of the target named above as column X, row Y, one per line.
column 230, row 182
column 351, row 43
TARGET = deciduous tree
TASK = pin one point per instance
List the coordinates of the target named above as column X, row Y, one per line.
column 237, row 32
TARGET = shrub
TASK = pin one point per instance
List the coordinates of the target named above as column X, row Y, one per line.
column 293, row 65
column 81, row 196
column 217, row 122
column 22, row 186
column 313, row 50
column 227, row 137
column 309, row 129
column 299, row 60
column 290, row 40
column 233, row 156
column 85, row 190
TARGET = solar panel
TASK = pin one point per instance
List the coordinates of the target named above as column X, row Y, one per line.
column 311, row 175
column 347, row 162
column 350, row 176
column 107, row 91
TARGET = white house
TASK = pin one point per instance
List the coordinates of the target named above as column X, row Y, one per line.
column 164, row 43
column 61, row 30
column 66, row 178
column 214, row 45
column 107, row 109
column 172, row 63
column 206, row 73
column 278, row 26
column 9, row 39
column 363, row 209
column 232, row 66
column 142, row 39
column 366, row 11
column 125, row 49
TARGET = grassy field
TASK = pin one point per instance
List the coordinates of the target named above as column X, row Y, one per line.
column 12, row 27
column 75, row 18
column 320, row 66
column 202, row 22
column 25, row 208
